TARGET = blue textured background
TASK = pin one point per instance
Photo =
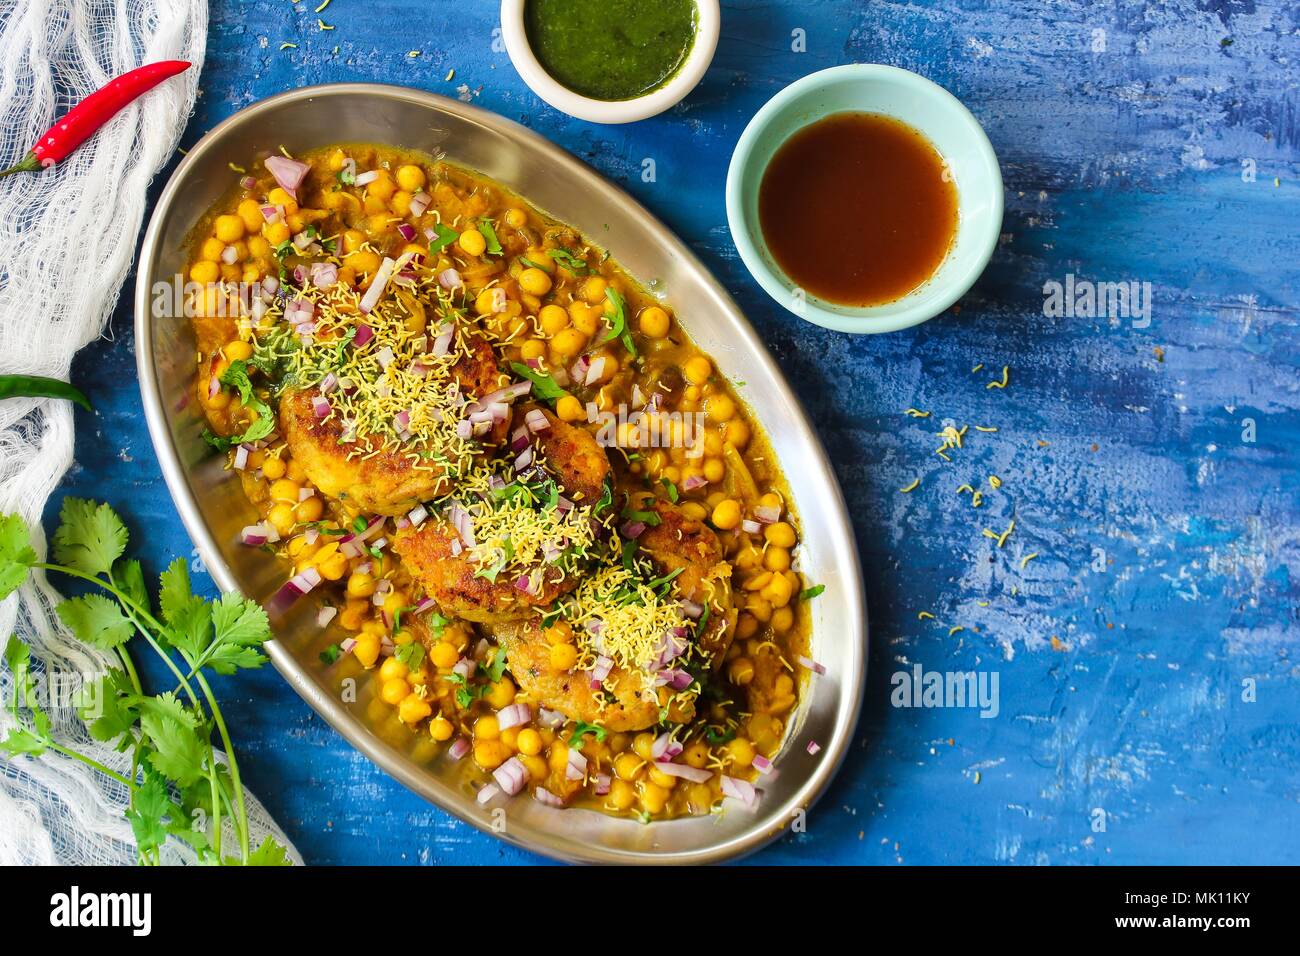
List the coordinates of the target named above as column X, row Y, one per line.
column 1121, row 163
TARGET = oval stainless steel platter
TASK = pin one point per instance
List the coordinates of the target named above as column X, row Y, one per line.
column 213, row 508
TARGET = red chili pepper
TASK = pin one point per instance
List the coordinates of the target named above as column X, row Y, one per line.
column 93, row 112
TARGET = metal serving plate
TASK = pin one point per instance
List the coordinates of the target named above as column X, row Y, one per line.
column 214, row 509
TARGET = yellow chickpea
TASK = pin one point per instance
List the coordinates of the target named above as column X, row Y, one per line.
column 488, row 301
column 353, row 614
column 661, row 779
column 696, row 755
column 251, row 213
column 487, row 728
column 228, row 229
column 273, row 468
column 212, row 249
column 258, row 247
column 381, row 188
column 285, row 490
column 780, row 533
column 746, row 626
column 400, row 203
column 282, row 519
column 360, row 584
column 737, row 433
column 472, row 242
column 697, row 369
column 410, row 178
column 490, row 754
column 534, row 281
column 363, row 261
column 516, row 218
column 392, row 669
column 628, row 766
column 741, row 671
column 782, row 620
column 654, row 322
column 741, row 752
column 586, row 319
column 394, row 691
column 367, row 650
column 501, row 694
column 720, row 408
column 205, row 272
column 621, row 795
column 568, row 342
column 440, row 728
column 279, row 197
column 778, row 591
column 726, row 514
column 563, row 657
column 776, row 559
column 570, row 409
column 653, row 797
column 593, row 289
column 714, row 470
column 642, row 744
column 310, row 509
column 529, row 742
column 552, row 319
column 532, row 349
column 444, row 655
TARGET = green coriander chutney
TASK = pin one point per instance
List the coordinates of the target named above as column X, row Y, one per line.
column 611, row 49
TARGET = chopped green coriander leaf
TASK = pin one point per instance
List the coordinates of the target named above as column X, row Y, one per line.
column 809, row 593
column 331, row 654
column 571, row 262
column 443, row 237
column 490, row 234
column 544, row 386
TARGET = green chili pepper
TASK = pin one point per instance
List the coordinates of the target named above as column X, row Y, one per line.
column 38, row 386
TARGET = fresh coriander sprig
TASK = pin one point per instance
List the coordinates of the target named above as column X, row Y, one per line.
column 176, row 783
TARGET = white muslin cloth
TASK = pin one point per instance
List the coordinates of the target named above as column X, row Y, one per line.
column 67, row 236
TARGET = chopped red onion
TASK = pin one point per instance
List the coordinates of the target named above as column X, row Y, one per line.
column 465, row 667
column 814, row 747
column 741, row 790
column 515, row 715
column 241, row 458
column 450, row 279
column 693, row 774
column 272, row 214
column 442, row 343
column 750, row 526
column 364, row 334
column 537, row 421
column 762, row 764
column 664, row 747
column 347, row 645
column 417, row 515
column 511, row 776
column 385, row 357
column 603, row 782
column 600, row 671
column 377, row 285
column 368, row 177
column 632, row 529
column 247, row 182
column 289, row 173
column 254, row 535
column 325, row 615
column 691, row 482
column 811, row 664
column 324, row 274
column 419, row 203
column 458, row 749
column 230, row 255
column 407, row 231
column 488, row 791
column 550, row 718
column 768, row 514
column 320, row 406
column 596, row 371
column 576, row 768
column 691, row 609
column 544, row 796
column 463, row 523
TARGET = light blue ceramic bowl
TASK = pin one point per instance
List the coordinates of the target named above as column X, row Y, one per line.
column 927, row 107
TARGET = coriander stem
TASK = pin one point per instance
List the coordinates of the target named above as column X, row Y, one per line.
column 90, row 762
column 242, row 822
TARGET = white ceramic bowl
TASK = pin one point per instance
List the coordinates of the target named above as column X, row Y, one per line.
column 923, row 105
column 688, row 75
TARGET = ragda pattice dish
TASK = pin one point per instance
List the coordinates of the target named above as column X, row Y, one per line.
column 538, row 515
